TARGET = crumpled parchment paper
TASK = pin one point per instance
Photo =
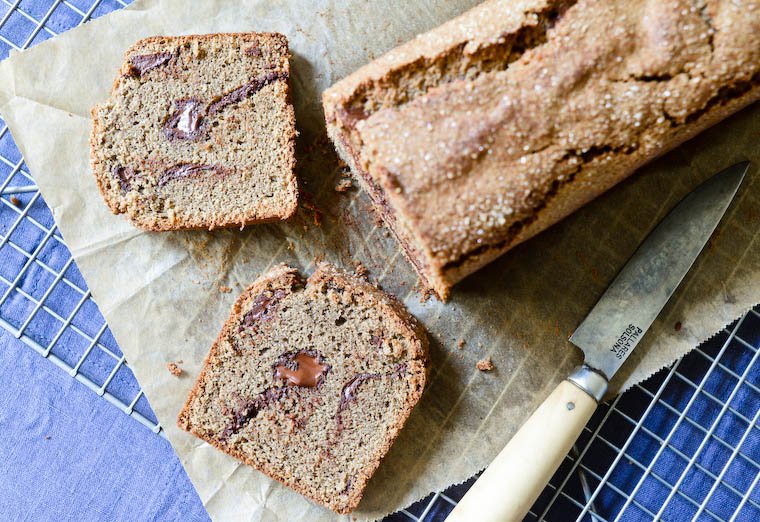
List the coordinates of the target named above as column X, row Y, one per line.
column 160, row 292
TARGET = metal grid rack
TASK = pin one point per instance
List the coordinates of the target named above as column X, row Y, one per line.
column 684, row 445
column 71, row 334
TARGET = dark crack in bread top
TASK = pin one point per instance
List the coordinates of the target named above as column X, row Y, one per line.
column 311, row 381
column 198, row 133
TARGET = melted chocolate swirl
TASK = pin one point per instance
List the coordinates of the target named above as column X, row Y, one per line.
column 189, row 121
column 143, row 63
column 124, row 176
column 305, row 368
column 190, row 170
column 186, row 121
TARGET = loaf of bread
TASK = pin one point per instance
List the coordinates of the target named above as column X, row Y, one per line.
column 485, row 131
column 199, row 132
column 310, row 382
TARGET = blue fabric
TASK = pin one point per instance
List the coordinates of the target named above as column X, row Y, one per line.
column 686, row 439
column 66, row 454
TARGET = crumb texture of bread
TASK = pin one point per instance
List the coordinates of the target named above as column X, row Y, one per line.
column 199, row 132
column 481, row 133
column 311, row 381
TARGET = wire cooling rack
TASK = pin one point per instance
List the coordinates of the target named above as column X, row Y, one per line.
column 44, row 300
column 684, row 445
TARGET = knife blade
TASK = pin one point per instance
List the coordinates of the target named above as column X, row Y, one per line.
column 616, row 324
column 638, row 293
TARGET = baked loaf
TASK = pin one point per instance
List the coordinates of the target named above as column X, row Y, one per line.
column 483, row 132
column 199, row 132
column 310, row 382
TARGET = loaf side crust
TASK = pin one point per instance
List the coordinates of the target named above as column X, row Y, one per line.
column 560, row 62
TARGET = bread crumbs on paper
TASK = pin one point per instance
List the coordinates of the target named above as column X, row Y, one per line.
column 174, row 369
column 460, row 344
column 225, row 289
column 348, row 218
column 427, row 293
column 485, row 365
column 343, row 185
column 308, row 204
column 317, row 215
column 360, row 270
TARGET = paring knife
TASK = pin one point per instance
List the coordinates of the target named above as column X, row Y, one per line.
column 508, row 487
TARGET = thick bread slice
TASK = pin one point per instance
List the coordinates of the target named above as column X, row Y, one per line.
column 311, row 382
column 199, row 132
column 483, row 132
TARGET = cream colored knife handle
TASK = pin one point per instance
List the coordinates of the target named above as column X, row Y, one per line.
column 508, row 487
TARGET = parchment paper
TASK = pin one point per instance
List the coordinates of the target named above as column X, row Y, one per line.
column 160, row 292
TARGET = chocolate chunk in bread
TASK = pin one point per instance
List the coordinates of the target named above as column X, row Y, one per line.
column 199, row 132
column 310, row 382
column 485, row 131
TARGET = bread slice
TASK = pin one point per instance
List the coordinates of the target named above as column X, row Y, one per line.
column 310, row 382
column 199, row 132
column 481, row 133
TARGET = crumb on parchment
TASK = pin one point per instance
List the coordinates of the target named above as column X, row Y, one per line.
column 460, row 343
column 343, row 185
column 225, row 289
column 360, row 270
column 174, row 369
column 485, row 365
column 309, row 205
column 427, row 293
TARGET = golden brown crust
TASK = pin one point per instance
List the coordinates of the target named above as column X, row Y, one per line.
column 348, row 154
column 479, row 134
column 577, row 195
column 284, row 277
column 222, row 220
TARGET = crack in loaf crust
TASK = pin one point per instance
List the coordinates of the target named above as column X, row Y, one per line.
column 310, row 382
column 199, row 132
column 481, row 133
